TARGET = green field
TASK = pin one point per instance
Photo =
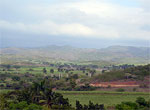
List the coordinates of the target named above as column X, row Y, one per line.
column 106, row 98
column 100, row 97
column 5, row 90
column 36, row 70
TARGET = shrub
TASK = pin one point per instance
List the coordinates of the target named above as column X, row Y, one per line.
column 120, row 90
column 3, row 102
column 33, row 107
column 15, row 78
column 141, row 101
column 140, row 104
column 24, row 106
column 18, row 106
column 60, row 107
column 90, row 106
column 87, row 87
column 134, row 89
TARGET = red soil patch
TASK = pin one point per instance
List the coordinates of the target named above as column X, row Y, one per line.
column 116, row 84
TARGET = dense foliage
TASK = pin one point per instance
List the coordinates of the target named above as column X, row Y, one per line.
column 90, row 106
column 139, row 104
column 38, row 94
column 39, row 97
column 135, row 72
column 139, row 71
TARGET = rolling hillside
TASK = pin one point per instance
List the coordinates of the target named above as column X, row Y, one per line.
column 116, row 54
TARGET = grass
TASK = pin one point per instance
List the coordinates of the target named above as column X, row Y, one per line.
column 5, row 90
column 107, row 98
column 102, row 97
column 36, row 70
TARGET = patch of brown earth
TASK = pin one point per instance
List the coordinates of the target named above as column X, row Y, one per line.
column 116, row 84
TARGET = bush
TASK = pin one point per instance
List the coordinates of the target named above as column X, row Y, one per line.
column 127, row 106
column 33, row 107
column 124, row 107
column 87, row 87
column 18, row 106
column 67, row 89
column 148, row 103
column 15, row 78
column 3, row 102
column 90, row 106
column 24, row 106
column 30, row 69
column 60, row 107
column 134, row 89
column 141, row 101
column 120, row 90
column 140, row 104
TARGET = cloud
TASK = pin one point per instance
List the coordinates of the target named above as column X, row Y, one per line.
column 145, row 4
column 49, row 27
column 84, row 18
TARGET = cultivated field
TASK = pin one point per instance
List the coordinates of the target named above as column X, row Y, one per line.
column 101, row 97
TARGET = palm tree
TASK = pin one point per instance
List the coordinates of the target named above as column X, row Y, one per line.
column 47, row 98
column 35, row 92
column 41, row 94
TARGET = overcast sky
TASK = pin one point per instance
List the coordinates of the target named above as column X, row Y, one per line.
column 75, row 22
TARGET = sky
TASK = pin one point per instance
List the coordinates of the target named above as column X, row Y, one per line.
column 79, row 23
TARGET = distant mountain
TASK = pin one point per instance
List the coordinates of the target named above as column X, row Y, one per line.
column 117, row 54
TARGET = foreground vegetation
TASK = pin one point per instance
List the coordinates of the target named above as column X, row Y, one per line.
column 40, row 96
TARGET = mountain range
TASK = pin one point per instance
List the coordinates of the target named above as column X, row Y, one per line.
column 116, row 54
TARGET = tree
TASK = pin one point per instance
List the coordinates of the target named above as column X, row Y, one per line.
column 16, row 67
column 74, row 76
column 66, row 71
column 15, row 78
column 44, row 70
column 123, row 107
column 72, row 84
column 139, row 104
column 3, row 102
column 51, row 70
column 90, row 106
column 78, row 105
column 42, row 94
column 6, row 66
column 128, row 75
column 141, row 101
column 47, row 95
column 92, row 72
column 24, row 95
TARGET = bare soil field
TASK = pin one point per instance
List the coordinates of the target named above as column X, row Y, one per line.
column 123, row 83
column 116, row 84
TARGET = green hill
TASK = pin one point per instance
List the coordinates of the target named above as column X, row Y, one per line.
column 115, row 54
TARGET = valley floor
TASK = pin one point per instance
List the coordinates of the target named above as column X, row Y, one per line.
column 103, row 97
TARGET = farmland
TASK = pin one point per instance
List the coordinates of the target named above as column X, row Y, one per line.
column 102, row 97
column 62, row 76
column 79, row 83
column 109, row 99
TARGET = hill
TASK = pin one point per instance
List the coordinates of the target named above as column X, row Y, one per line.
column 113, row 54
column 137, row 76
